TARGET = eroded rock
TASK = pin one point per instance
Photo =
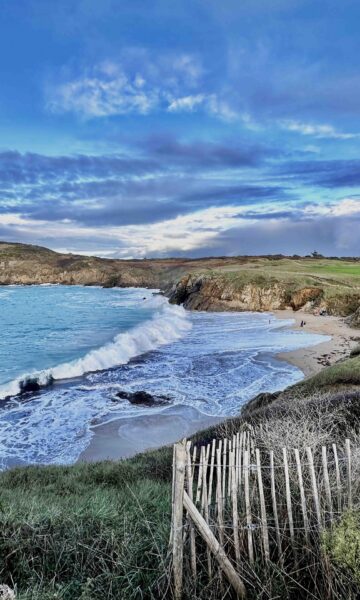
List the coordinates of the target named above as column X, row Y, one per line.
column 143, row 398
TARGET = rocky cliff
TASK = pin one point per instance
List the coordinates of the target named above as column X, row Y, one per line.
column 226, row 283
column 218, row 293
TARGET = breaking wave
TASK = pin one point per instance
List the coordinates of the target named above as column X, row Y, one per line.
column 167, row 325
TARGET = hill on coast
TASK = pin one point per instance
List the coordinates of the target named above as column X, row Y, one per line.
column 223, row 283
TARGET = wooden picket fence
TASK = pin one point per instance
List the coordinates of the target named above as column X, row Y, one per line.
column 235, row 503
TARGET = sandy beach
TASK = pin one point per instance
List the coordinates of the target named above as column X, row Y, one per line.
column 123, row 438
column 312, row 359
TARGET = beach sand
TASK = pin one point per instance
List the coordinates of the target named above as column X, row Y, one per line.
column 312, row 359
column 123, row 438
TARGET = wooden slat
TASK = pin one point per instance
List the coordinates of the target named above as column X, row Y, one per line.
column 264, row 523
column 224, row 469
column 288, row 498
column 348, row 464
column 302, row 493
column 215, row 547
column 200, row 473
column 314, row 486
column 219, row 498
column 235, row 514
column 338, row 479
column 274, row 504
column 190, row 483
column 211, row 477
column 177, row 517
column 327, row 482
column 248, row 507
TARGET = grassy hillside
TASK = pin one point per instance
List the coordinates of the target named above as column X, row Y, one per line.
column 101, row 530
column 224, row 283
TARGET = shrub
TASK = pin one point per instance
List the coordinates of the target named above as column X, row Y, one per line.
column 342, row 543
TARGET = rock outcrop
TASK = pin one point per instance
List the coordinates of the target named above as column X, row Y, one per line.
column 220, row 293
column 354, row 319
column 219, row 284
column 143, row 398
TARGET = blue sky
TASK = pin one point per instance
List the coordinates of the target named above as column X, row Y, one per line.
column 132, row 128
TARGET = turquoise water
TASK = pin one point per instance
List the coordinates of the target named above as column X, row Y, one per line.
column 81, row 345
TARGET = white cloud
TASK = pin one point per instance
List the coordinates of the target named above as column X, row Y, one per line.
column 141, row 85
column 316, row 130
column 186, row 103
column 347, row 207
column 185, row 233
column 106, row 91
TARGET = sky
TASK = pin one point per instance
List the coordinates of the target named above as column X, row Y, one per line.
column 138, row 128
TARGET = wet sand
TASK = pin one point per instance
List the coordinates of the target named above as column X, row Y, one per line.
column 123, row 438
column 312, row 359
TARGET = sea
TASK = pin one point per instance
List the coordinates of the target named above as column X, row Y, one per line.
column 67, row 351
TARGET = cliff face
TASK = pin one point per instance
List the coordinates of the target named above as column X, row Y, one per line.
column 215, row 293
column 26, row 265
column 226, row 283
column 218, row 293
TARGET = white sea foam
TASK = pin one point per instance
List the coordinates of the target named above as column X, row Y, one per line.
column 168, row 324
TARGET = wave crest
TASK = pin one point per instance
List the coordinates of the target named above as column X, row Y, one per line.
column 167, row 325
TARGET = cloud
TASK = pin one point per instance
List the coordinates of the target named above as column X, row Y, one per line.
column 186, row 103
column 140, row 84
column 332, row 173
column 106, row 91
column 156, row 180
column 136, row 83
column 316, row 130
column 218, row 230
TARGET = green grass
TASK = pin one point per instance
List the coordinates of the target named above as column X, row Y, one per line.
column 101, row 530
column 343, row 373
column 88, row 531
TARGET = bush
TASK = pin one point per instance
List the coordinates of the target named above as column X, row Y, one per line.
column 342, row 543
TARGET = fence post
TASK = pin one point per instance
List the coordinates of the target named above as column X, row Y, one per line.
column 288, row 499
column 224, row 469
column 219, row 498
column 200, row 475
column 211, row 470
column 264, row 525
column 302, row 494
column 348, row 462
column 234, row 506
column 327, row 482
column 177, row 517
column 314, row 485
column 191, row 493
column 338, row 479
column 247, row 506
column 274, row 505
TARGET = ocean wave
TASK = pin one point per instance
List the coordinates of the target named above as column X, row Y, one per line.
column 168, row 324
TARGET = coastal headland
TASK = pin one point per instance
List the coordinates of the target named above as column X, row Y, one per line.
column 313, row 284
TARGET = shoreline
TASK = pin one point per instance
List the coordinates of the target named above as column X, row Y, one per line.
column 125, row 437
column 312, row 359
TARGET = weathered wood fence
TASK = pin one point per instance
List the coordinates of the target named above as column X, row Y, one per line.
column 241, row 504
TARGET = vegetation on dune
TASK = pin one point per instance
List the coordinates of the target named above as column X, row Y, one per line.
column 102, row 530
